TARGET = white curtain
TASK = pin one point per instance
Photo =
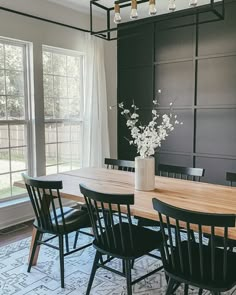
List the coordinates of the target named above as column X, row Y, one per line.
column 95, row 138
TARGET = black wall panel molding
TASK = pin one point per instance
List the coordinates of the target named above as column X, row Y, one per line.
column 196, row 65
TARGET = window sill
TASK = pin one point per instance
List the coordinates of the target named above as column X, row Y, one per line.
column 9, row 203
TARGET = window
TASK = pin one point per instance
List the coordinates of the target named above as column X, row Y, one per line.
column 63, row 101
column 14, row 115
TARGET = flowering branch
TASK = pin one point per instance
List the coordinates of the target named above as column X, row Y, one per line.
column 148, row 138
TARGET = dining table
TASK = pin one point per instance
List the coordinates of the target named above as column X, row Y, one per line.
column 189, row 195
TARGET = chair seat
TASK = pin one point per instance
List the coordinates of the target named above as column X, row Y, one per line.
column 207, row 282
column 74, row 219
column 144, row 241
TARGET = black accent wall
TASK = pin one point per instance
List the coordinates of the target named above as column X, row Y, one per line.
column 195, row 67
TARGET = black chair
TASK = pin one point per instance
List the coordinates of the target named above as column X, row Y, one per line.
column 194, row 263
column 124, row 165
column 186, row 173
column 231, row 177
column 121, row 239
column 53, row 218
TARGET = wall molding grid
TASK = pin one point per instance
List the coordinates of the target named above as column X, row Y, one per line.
column 196, row 65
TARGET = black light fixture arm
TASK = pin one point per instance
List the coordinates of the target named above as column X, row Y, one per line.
column 44, row 19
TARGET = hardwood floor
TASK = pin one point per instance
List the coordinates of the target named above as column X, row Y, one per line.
column 15, row 233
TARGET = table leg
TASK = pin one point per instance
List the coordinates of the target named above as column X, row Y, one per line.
column 31, row 246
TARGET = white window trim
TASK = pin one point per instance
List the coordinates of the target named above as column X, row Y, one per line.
column 29, row 104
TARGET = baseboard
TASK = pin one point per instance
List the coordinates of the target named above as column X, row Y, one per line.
column 19, row 213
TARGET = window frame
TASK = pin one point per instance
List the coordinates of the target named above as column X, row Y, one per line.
column 28, row 108
column 80, row 120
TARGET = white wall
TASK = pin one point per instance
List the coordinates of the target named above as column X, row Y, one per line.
column 39, row 33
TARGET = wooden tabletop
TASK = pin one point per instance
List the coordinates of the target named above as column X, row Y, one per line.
column 196, row 196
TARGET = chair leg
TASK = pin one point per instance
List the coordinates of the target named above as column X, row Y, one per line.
column 67, row 243
column 128, row 277
column 170, row 286
column 61, row 250
column 93, row 272
column 33, row 250
column 76, row 239
column 200, row 291
column 185, row 289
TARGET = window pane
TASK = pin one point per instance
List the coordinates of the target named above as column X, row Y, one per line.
column 17, row 190
column 4, row 138
column 73, row 88
column 59, row 64
column 2, row 82
column 18, row 159
column 63, row 132
column 14, row 57
column 2, row 108
column 18, row 135
column 64, row 167
column 50, row 133
column 15, row 108
column 47, row 62
column 64, row 153
column 51, row 170
column 49, row 108
column 60, row 87
column 48, row 86
column 1, row 57
column 75, row 154
column 63, row 108
column 15, row 83
column 4, row 161
column 73, row 66
column 5, row 187
column 51, row 154
column 75, row 132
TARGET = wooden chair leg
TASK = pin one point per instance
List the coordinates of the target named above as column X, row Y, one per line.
column 128, row 277
column 61, row 250
column 93, row 272
column 33, row 250
column 76, row 239
column 171, row 284
column 39, row 238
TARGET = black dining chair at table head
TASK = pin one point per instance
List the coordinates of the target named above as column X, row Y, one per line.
column 193, row 262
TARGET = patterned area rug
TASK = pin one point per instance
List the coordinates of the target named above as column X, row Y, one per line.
column 44, row 278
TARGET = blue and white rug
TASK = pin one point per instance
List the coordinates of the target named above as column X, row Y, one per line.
column 44, row 278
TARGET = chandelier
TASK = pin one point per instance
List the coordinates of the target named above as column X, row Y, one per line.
column 124, row 14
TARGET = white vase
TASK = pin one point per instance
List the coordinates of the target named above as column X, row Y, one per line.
column 145, row 174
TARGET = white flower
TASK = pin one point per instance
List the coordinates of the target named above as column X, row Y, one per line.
column 121, row 105
column 147, row 138
column 134, row 116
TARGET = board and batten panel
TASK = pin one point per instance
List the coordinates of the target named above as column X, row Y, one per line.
column 219, row 37
column 216, row 169
column 135, row 47
column 216, row 133
column 174, row 44
column 176, row 82
column 216, row 81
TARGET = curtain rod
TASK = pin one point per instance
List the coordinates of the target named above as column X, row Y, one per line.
column 43, row 19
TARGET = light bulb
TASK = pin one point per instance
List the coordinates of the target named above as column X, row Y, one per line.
column 117, row 17
column 152, row 7
column 172, row 5
column 134, row 11
column 193, row 3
